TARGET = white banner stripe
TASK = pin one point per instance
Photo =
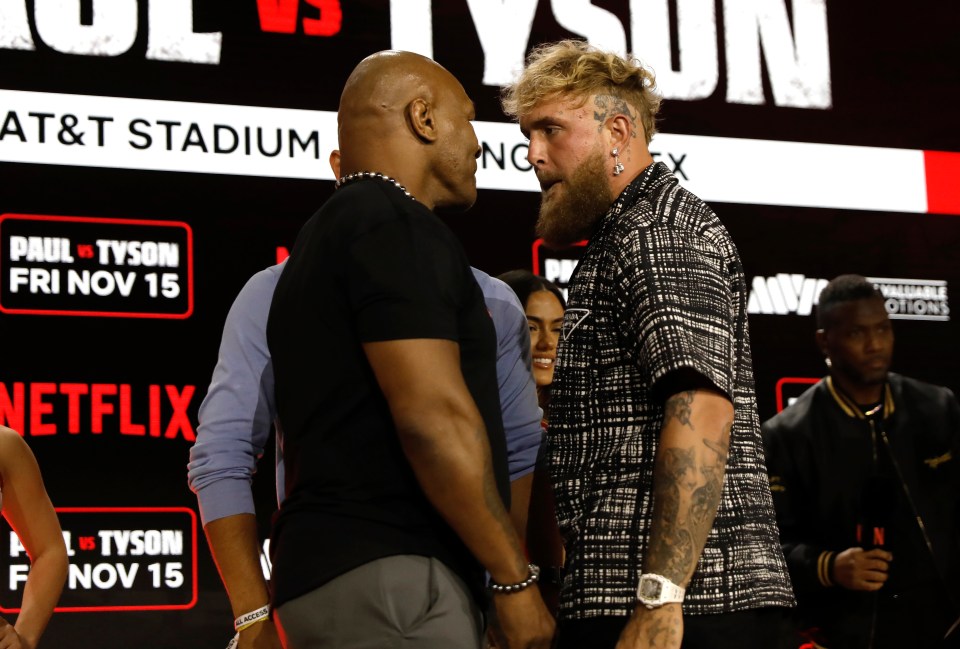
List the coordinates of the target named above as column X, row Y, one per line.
column 157, row 135
column 801, row 174
column 161, row 135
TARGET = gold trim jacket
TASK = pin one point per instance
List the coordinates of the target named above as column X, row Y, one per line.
column 824, row 455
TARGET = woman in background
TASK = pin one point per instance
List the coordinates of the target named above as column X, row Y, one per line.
column 28, row 510
column 544, row 305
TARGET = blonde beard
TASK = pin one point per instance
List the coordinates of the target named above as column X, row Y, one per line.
column 586, row 197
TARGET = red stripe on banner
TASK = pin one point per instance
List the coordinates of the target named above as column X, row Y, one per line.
column 943, row 182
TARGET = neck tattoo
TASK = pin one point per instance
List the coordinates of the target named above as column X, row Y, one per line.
column 349, row 178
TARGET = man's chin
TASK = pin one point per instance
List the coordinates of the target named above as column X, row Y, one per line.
column 556, row 238
column 457, row 204
column 873, row 377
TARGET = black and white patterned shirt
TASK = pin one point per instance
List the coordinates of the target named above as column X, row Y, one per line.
column 660, row 287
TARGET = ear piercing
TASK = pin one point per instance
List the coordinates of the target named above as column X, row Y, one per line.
column 617, row 165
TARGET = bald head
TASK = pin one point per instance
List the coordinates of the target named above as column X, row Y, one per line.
column 402, row 114
column 381, row 86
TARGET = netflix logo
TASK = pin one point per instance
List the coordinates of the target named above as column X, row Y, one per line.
column 43, row 409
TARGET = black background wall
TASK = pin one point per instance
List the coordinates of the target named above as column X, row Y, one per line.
column 894, row 83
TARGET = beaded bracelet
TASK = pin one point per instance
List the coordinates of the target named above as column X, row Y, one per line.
column 532, row 578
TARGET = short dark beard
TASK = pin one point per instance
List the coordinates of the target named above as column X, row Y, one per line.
column 573, row 216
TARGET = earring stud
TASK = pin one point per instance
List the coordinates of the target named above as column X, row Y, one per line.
column 617, row 166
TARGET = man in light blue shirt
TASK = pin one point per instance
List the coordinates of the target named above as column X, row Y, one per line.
column 239, row 410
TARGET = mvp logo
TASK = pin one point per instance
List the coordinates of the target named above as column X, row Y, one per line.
column 783, row 294
column 904, row 299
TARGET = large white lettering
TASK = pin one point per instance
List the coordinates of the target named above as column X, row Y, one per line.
column 600, row 27
column 172, row 37
column 798, row 60
column 799, row 66
column 14, row 26
column 755, row 31
column 112, row 31
column 504, row 29
column 411, row 26
column 699, row 70
column 789, row 39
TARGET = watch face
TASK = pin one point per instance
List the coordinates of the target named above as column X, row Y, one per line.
column 650, row 589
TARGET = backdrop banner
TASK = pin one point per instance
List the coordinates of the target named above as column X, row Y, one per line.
column 154, row 154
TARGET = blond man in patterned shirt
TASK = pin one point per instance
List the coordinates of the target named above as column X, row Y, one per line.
column 654, row 444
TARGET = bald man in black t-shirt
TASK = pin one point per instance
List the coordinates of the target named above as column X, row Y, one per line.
column 385, row 363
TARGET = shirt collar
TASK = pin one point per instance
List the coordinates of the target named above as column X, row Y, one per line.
column 851, row 409
column 640, row 187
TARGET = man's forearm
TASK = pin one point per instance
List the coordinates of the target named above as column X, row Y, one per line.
column 688, row 480
column 450, row 456
column 520, row 490
column 445, row 441
column 236, row 550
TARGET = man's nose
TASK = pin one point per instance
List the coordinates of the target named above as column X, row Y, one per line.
column 535, row 155
column 874, row 341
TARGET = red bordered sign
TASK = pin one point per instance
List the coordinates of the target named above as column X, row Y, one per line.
column 90, row 266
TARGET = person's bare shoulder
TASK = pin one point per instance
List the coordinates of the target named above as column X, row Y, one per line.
column 13, row 452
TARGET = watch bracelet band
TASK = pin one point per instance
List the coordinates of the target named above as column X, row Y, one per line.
column 670, row 592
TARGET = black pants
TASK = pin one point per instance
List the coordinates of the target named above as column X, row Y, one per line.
column 761, row 628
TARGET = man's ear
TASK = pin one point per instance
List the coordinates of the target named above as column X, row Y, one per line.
column 620, row 132
column 822, row 341
column 335, row 162
column 420, row 119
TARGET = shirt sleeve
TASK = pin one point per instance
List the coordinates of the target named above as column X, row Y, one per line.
column 238, row 410
column 518, row 392
column 405, row 281
column 676, row 307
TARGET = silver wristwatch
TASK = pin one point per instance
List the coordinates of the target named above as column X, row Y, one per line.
column 654, row 591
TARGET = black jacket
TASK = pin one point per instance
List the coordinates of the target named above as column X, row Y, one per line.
column 843, row 479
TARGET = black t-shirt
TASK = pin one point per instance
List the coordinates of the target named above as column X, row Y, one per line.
column 370, row 265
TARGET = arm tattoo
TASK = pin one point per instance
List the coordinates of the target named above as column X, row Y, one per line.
column 662, row 632
column 706, row 498
column 674, row 548
column 678, row 407
column 687, row 492
column 611, row 105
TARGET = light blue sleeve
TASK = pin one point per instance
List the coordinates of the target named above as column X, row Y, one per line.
column 518, row 392
column 238, row 410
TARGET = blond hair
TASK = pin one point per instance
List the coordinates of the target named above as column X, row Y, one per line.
column 578, row 69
